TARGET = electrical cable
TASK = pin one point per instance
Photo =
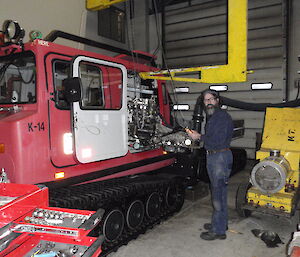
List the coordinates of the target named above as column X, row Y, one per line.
column 131, row 5
column 164, row 58
column 130, row 39
column 158, row 42
column 298, row 89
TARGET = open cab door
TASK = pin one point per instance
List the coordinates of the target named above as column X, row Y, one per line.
column 99, row 109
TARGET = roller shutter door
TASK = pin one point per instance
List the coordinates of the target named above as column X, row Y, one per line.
column 196, row 35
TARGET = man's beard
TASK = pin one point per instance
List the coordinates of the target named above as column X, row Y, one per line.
column 210, row 109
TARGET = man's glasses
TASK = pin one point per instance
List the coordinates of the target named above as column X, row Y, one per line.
column 209, row 99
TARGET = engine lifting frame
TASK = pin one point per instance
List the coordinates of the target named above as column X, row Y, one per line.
column 96, row 5
column 236, row 68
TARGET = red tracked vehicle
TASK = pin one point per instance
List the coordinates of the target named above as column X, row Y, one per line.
column 46, row 138
column 83, row 124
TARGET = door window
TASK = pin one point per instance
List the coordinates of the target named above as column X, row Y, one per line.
column 17, row 79
column 101, row 86
column 92, row 87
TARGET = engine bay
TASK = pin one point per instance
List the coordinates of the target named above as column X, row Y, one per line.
column 146, row 128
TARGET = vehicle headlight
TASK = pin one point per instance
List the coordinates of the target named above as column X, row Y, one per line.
column 12, row 30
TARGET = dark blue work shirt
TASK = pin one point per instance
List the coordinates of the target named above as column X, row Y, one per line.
column 218, row 131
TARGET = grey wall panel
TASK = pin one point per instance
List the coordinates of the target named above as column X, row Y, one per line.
column 263, row 33
column 266, row 57
column 247, row 115
column 196, row 11
column 196, row 35
column 265, row 62
column 294, row 48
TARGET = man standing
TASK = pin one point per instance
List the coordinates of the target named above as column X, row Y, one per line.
column 217, row 138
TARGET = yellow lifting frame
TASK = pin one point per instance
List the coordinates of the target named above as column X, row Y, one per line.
column 95, row 5
column 235, row 70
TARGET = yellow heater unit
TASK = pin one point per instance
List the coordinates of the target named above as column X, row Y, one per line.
column 275, row 178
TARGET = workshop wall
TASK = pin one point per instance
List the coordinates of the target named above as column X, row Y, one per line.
column 294, row 50
column 196, row 35
column 45, row 16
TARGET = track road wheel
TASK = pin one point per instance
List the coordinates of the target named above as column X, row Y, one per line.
column 240, row 200
column 171, row 196
column 113, row 225
column 153, row 205
column 181, row 197
column 175, row 196
column 135, row 214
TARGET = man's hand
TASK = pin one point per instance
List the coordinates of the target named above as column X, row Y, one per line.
column 193, row 134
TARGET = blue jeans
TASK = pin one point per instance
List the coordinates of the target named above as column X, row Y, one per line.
column 219, row 167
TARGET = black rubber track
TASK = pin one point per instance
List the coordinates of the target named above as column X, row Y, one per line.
column 119, row 193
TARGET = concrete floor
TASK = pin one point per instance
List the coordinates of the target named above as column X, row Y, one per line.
column 179, row 235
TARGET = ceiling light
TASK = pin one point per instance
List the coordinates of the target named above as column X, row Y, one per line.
column 219, row 87
column 260, row 86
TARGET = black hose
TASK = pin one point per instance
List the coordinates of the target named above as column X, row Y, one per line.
column 198, row 114
column 260, row 107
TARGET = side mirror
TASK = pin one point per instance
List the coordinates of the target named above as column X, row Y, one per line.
column 72, row 89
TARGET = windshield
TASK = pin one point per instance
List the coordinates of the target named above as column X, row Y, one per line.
column 17, row 78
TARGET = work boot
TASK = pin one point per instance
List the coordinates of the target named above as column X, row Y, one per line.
column 212, row 236
column 208, row 226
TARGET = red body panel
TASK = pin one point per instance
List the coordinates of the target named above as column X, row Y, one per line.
column 295, row 252
column 34, row 155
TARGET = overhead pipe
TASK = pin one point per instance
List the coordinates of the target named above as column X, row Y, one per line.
column 260, row 107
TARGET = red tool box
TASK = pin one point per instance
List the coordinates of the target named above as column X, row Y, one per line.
column 29, row 227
